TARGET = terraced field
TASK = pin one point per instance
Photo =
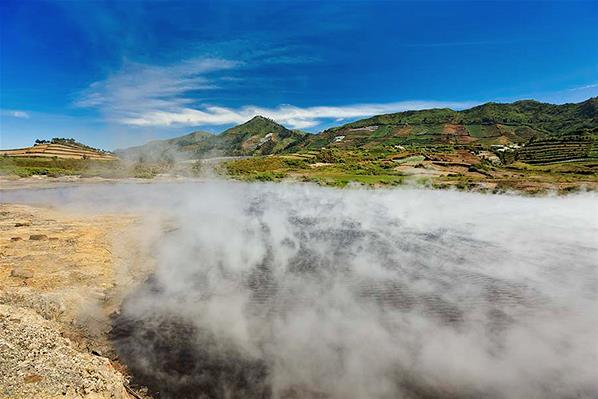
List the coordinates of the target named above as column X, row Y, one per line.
column 54, row 150
column 422, row 134
column 558, row 150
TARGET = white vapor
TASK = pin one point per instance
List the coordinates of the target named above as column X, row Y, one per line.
column 149, row 95
column 295, row 291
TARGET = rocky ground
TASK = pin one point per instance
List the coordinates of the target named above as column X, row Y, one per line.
column 61, row 276
column 39, row 362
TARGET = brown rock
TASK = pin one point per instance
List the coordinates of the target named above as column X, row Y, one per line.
column 22, row 224
column 15, row 239
column 22, row 273
column 38, row 237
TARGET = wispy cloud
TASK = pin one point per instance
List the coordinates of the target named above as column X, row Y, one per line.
column 585, row 87
column 139, row 88
column 292, row 116
column 149, row 95
column 14, row 113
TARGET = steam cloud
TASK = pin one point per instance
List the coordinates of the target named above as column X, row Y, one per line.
column 295, row 291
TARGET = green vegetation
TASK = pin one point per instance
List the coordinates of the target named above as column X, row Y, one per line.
column 430, row 166
column 474, row 149
column 572, row 147
column 56, row 167
column 541, row 117
column 327, row 167
column 259, row 136
column 483, row 125
column 582, row 168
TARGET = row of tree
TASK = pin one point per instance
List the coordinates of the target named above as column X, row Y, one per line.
column 68, row 141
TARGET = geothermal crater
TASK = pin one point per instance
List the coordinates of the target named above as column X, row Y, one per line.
column 294, row 291
column 319, row 294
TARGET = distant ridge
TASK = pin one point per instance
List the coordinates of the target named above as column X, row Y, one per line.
column 486, row 124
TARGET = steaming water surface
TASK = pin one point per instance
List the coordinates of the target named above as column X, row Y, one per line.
column 294, row 291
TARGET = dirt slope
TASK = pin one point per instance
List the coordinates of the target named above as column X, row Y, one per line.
column 60, row 279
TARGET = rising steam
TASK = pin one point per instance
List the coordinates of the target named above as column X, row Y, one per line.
column 293, row 291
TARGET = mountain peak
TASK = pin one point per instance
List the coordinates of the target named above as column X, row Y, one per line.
column 260, row 118
column 259, row 125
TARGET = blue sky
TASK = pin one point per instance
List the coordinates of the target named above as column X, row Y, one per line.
column 113, row 74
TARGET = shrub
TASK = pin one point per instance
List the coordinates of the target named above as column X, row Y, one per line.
column 327, row 156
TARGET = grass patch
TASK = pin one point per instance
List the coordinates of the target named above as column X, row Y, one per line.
column 56, row 167
column 27, row 171
column 586, row 168
column 330, row 167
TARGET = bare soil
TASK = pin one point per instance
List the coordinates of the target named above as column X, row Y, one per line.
column 61, row 276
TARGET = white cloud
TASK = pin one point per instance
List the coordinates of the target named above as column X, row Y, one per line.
column 289, row 115
column 15, row 113
column 140, row 88
column 149, row 95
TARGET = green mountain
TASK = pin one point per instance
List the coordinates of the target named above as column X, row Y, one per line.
column 258, row 136
column 490, row 123
column 487, row 124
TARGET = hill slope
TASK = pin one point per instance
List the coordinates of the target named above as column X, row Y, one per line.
column 487, row 124
column 258, row 136
column 490, row 123
column 182, row 146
